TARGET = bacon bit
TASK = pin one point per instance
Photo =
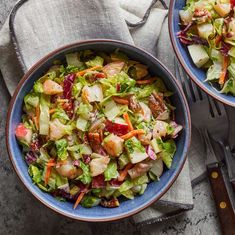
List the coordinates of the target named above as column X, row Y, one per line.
column 48, row 171
column 123, row 174
column 68, row 108
column 132, row 133
column 110, row 204
column 81, row 73
column 120, row 100
column 147, row 81
column 224, row 71
column 98, row 182
column 94, row 137
column 95, row 143
column 128, row 121
column 115, row 183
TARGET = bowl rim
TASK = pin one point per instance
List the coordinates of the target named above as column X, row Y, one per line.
column 34, row 68
column 183, row 63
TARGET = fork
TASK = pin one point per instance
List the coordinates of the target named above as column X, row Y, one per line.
column 215, row 118
column 218, row 125
column 201, row 115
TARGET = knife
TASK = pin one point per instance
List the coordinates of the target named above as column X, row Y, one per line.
column 219, row 190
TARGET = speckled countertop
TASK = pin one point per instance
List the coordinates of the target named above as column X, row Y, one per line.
column 22, row 214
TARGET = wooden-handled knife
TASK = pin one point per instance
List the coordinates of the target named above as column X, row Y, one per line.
column 219, row 190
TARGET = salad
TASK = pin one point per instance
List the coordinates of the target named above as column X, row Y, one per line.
column 208, row 30
column 97, row 127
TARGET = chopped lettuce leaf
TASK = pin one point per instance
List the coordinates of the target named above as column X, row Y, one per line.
column 61, row 147
column 97, row 61
column 110, row 83
column 214, row 72
column 168, row 150
column 61, row 115
column 35, row 174
column 132, row 144
column 128, row 194
column 76, row 90
column 143, row 179
column 110, row 109
column 90, row 201
column 111, row 171
column 73, row 59
column 84, row 110
column 31, row 100
column 81, row 124
column 123, row 160
column 44, row 117
column 229, row 87
column 85, row 178
column 126, row 185
column 231, row 70
column 218, row 24
column 43, row 157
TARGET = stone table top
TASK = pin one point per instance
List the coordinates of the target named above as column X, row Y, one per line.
column 21, row 213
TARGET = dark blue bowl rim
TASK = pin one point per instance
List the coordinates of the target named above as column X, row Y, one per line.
column 187, row 129
column 184, row 64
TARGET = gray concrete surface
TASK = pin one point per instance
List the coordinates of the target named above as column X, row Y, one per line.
column 22, row 214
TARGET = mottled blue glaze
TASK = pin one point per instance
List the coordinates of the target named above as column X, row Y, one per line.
column 127, row 207
column 198, row 75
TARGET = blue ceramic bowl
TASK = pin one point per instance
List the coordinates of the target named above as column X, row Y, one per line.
column 154, row 190
column 181, row 51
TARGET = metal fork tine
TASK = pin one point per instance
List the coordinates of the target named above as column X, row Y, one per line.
column 178, row 76
column 213, row 109
column 221, row 107
column 196, row 91
column 185, row 82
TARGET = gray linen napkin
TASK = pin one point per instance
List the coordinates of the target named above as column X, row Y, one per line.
column 41, row 26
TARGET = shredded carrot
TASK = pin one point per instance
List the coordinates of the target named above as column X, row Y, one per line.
column 81, row 73
column 48, row 171
column 218, row 39
column 120, row 100
column 132, row 133
column 80, row 197
column 37, row 117
column 147, row 81
column 52, row 111
column 60, row 163
column 50, row 164
column 224, row 71
column 128, row 121
column 124, row 173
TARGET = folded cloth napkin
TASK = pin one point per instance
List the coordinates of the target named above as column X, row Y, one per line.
column 38, row 27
